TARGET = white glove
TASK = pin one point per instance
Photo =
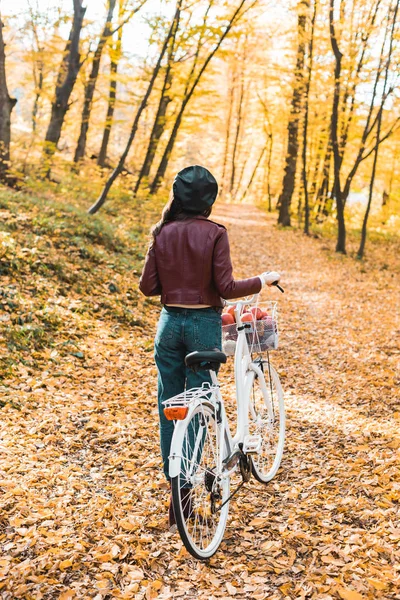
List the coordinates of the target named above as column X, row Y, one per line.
column 269, row 278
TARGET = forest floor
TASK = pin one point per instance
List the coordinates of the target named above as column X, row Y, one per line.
column 82, row 496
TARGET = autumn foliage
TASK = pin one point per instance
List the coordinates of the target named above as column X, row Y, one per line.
column 295, row 109
column 82, row 493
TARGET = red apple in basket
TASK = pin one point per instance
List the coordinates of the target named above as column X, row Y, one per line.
column 231, row 311
column 257, row 312
column 227, row 319
column 247, row 318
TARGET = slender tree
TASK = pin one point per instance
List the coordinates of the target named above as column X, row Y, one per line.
column 115, row 57
column 66, row 79
column 6, row 105
column 361, row 40
column 189, row 91
column 337, row 160
column 120, row 166
column 268, row 131
column 323, row 190
column 253, row 173
column 38, row 64
column 228, row 126
column 289, row 178
column 267, row 175
column 305, row 122
column 90, row 86
column 361, row 249
column 239, row 119
column 165, row 99
column 91, row 83
column 342, row 188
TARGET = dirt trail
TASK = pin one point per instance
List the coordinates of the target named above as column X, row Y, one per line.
column 84, row 501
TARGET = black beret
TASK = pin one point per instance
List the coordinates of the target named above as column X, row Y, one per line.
column 195, row 188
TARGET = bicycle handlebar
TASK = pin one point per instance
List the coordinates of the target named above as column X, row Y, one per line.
column 252, row 299
column 246, row 301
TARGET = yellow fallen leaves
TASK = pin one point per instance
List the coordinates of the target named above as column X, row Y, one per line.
column 231, row 589
column 134, row 574
column 67, row 595
column 378, row 585
column 349, row 594
column 259, row 522
column 103, row 584
column 81, row 489
column 131, row 523
column 65, row 564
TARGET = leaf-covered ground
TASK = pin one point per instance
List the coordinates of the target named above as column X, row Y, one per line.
column 83, row 500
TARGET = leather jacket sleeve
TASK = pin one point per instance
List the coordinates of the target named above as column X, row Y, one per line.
column 226, row 286
column 149, row 283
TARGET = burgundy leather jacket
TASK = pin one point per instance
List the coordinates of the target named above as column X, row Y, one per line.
column 189, row 263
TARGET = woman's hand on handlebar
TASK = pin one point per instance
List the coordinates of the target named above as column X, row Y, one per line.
column 269, row 278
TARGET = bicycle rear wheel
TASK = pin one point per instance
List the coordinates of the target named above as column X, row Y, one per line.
column 199, row 491
column 267, row 419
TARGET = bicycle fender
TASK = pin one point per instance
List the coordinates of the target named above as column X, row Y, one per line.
column 177, row 441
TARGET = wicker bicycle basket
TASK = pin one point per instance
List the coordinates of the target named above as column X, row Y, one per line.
column 261, row 332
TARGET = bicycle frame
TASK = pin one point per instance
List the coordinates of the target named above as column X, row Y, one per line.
column 245, row 372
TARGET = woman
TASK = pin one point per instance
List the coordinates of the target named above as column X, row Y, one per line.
column 188, row 263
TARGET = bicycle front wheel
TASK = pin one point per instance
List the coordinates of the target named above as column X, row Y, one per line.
column 200, row 490
column 267, row 420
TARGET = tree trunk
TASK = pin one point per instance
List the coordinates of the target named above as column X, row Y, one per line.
column 285, row 198
column 316, row 170
column 253, row 174
column 115, row 56
column 162, row 167
column 190, row 90
column 39, row 89
column 347, row 118
column 370, row 123
column 228, row 131
column 66, row 79
column 305, row 125
column 268, row 169
column 91, row 84
column 118, row 169
column 165, row 99
column 238, row 121
column 361, row 249
column 323, row 190
column 37, row 67
column 337, row 160
column 6, row 106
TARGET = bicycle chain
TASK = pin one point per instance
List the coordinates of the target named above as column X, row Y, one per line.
column 245, row 470
column 230, row 497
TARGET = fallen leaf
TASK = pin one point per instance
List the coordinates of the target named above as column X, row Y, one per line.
column 349, row 594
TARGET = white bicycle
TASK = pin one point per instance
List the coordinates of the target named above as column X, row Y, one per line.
column 204, row 455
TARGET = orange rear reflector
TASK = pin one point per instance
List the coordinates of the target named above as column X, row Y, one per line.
column 176, row 413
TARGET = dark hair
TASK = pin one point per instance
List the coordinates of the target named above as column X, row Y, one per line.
column 173, row 212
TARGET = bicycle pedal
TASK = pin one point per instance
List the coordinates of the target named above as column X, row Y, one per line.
column 252, row 444
column 230, row 461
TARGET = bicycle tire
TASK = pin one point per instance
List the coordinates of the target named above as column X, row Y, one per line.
column 267, row 418
column 201, row 529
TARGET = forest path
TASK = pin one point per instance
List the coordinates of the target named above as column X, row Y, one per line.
column 80, row 467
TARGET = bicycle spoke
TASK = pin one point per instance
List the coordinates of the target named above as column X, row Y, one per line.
column 267, row 420
column 198, row 485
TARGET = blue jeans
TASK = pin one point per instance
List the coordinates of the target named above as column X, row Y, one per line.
column 180, row 331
